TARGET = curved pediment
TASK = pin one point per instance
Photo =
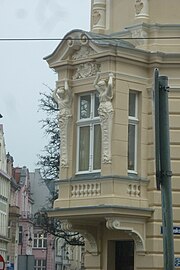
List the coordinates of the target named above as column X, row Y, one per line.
column 75, row 45
column 79, row 45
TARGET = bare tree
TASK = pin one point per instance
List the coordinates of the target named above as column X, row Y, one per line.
column 50, row 157
column 49, row 162
column 53, row 226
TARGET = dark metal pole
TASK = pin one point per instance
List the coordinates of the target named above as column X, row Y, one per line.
column 166, row 174
column 157, row 130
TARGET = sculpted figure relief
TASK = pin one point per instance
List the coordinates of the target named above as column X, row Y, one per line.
column 96, row 17
column 63, row 97
column 138, row 6
column 106, row 112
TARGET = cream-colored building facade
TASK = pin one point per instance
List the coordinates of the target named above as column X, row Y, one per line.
column 107, row 185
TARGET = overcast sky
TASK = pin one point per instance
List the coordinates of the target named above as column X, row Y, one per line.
column 23, row 71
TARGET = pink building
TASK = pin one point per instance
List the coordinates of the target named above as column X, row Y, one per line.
column 25, row 203
column 33, row 241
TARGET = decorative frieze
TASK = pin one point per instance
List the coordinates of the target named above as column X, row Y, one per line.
column 83, row 52
column 139, row 36
column 86, row 70
column 85, row 190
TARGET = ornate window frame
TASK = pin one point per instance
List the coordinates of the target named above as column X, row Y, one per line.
column 91, row 121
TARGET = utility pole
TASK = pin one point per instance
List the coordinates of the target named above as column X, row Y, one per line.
column 163, row 165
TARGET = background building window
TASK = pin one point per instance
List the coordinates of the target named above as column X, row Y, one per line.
column 20, row 234
column 88, row 134
column 40, row 240
column 40, row 265
column 132, row 132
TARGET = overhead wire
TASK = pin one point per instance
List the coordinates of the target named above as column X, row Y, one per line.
column 94, row 38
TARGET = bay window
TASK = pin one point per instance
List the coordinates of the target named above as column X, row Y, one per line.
column 88, row 134
column 132, row 132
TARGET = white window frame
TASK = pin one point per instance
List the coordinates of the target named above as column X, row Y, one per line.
column 91, row 122
column 133, row 120
column 40, row 267
column 40, row 237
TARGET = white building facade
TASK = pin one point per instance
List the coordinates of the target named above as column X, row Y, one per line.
column 4, row 197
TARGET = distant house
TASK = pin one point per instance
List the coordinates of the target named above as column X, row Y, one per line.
column 43, row 243
column 25, row 202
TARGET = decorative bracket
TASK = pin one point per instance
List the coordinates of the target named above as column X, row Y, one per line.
column 91, row 246
column 113, row 223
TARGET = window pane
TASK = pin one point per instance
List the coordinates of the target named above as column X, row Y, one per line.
column 97, row 147
column 20, row 234
column 131, row 147
column 40, row 243
column 132, row 104
column 85, row 106
column 124, row 255
column 84, row 140
column 35, row 243
column 96, row 105
column 45, row 242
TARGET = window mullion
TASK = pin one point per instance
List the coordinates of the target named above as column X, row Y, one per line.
column 91, row 149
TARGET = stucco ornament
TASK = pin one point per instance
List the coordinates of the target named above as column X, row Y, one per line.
column 86, row 70
column 63, row 97
column 140, row 36
column 91, row 244
column 138, row 6
column 113, row 223
column 99, row 15
column 142, row 9
column 66, row 225
column 106, row 112
column 84, row 52
column 96, row 16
